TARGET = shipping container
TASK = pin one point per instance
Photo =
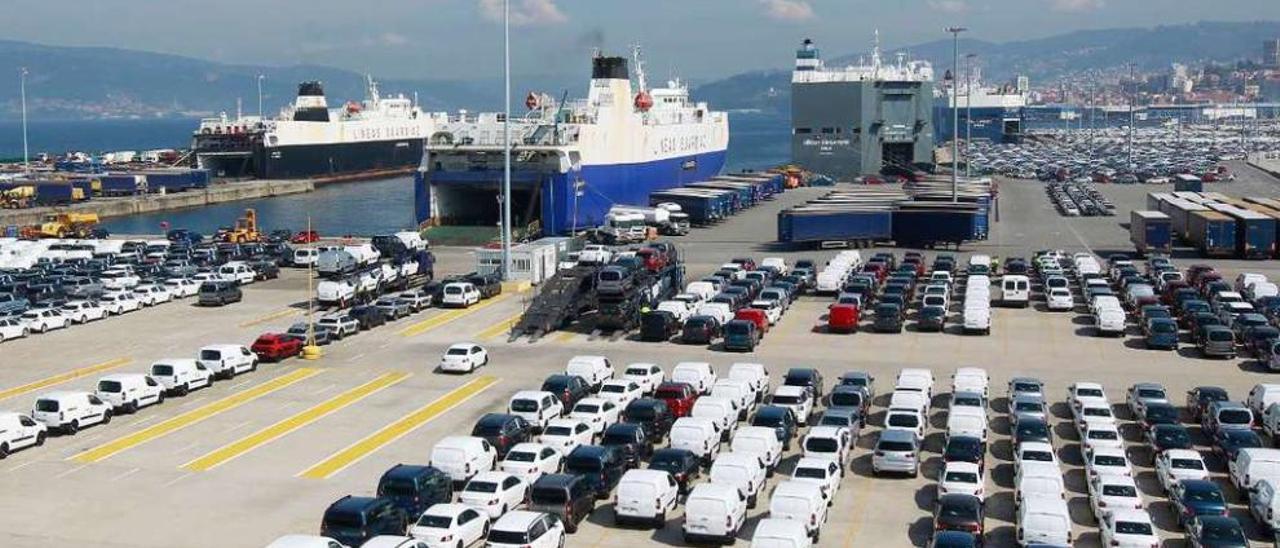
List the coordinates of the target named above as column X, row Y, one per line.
column 1179, row 212
column 807, row 224
column 1155, row 198
column 927, row 227
column 1151, row 232
column 1183, row 182
column 1255, row 232
column 1212, row 232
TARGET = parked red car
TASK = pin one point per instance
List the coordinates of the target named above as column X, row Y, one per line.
column 654, row 260
column 747, row 263
column 305, row 237
column 1194, row 272
column 273, row 347
column 678, row 396
column 1166, row 295
column 843, row 318
column 756, row 316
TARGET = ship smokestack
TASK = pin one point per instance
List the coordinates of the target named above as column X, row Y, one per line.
column 311, row 105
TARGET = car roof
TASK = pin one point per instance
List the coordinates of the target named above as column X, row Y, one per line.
column 463, row 345
column 897, row 435
column 491, row 475
column 1110, row 452
column 61, row 394
column 1148, row 385
column 531, row 394
column 1184, row 454
column 564, row 421
column 1035, row 446
column 961, row 466
column 825, row 431
column 352, row 503
column 446, row 509
column 516, row 520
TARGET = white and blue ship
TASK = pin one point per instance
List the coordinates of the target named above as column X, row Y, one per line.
column 994, row 114
column 572, row 161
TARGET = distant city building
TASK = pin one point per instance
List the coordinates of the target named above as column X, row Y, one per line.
column 1024, row 84
column 1271, row 53
column 863, row 118
column 1269, row 90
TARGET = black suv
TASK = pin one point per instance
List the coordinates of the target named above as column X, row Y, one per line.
column 630, row 440
column 415, row 488
column 568, row 496
column 658, row 326
column 682, row 464
column 354, row 520
column 804, row 376
column 219, row 293
column 569, row 388
column 502, row 431
column 601, row 467
column 368, row 316
column 652, row 414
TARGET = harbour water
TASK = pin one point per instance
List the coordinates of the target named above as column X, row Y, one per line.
column 371, row 207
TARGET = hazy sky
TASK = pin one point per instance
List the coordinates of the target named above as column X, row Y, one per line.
column 461, row 39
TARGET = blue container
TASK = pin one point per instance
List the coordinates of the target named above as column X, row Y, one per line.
column 833, row 224
column 929, row 227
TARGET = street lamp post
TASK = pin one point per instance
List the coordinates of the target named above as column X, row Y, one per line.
column 968, row 112
column 260, row 78
column 506, row 141
column 955, row 113
column 26, row 154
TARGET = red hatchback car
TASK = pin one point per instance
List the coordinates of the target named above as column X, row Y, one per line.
column 678, row 396
column 756, row 316
column 305, row 237
column 843, row 318
column 274, row 347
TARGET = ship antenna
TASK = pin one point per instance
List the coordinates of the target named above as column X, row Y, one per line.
column 373, row 89
column 640, row 77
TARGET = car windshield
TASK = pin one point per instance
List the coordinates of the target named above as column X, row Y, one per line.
column 524, row 406
column 498, row 536
column 1221, row 335
column 558, row 431
column 1028, row 407
column 1104, row 435
column 549, row 495
column 967, row 401
column 457, row 352
column 435, row 522
column 583, row 464
column 397, row 488
column 522, row 456
column 1235, row 416
column 956, row 511
column 1089, row 393
column 481, row 487
column 210, row 355
column 1026, row 387
column 1203, row 494
column 810, row 472
column 903, row 420
column 1041, row 456
column 1150, row 394
column 586, row 408
column 1133, row 528
column 1119, row 491
column 1108, row 460
column 614, row 388
column 846, row 399
column 786, row 400
column 1097, row 412
column 1164, row 327
column 1186, row 464
column 961, row 477
column 821, row 445
column 50, row 406
column 109, row 386
column 1222, row 533
column 162, row 369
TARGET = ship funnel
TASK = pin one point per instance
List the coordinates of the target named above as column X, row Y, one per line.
column 609, row 68
column 310, row 105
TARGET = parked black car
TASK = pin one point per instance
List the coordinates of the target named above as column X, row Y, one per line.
column 653, row 415
column 369, row 316
column 490, row 285
column 502, row 431
column 569, row 496
column 415, row 488
column 700, row 330
column 630, row 440
column 265, row 270
column 354, row 520
column 658, row 326
column 219, row 293
column 780, row 419
column 682, row 464
column 601, row 466
column 569, row 388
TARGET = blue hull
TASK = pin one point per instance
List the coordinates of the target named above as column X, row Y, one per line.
column 566, row 201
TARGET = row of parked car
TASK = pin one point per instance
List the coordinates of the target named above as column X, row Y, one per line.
column 529, row 475
column 1074, row 199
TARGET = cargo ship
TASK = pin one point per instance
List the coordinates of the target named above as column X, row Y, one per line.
column 309, row 139
column 572, row 160
column 992, row 113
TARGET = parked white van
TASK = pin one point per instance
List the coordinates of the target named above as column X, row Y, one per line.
column 1044, row 520
column 71, row 411
column 722, row 411
column 646, row 496
column 128, row 392
column 743, row 471
column 1015, row 290
column 1264, row 505
column 1253, row 464
column 828, row 442
column 181, row 375
column 699, row 375
column 713, row 512
column 759, row 440
column 699, row 436
column 802, row 502
column 18, row 431
column 228, row 360
column 463, row 457
column 238, row 272
column 535, row 407
column 740, row 392
column 593, row 369
column 754, row 374
column 1262, row 396
column 781, row 533
column 460, row 295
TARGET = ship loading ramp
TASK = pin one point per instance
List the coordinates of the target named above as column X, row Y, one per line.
column 562, row 300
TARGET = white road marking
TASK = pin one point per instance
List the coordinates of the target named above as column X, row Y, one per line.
column 131, row 472
column 192, row 401
column 17, row 467
column 173, row 481
column 66, row 473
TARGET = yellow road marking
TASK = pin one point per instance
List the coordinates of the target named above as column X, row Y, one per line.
column 499, row 328
column 217, row 457
column 396, row 430
column 269, row 317
column 62, row 377
column 191, row 417
column 565, row 336
column 446, row 317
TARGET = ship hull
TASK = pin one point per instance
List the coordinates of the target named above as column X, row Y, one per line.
column 323, row 160
column 995, row 124
column 557, row 202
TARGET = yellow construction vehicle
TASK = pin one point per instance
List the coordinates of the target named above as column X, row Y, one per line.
column 18, row 197
column 68, row 225
column 246, row 229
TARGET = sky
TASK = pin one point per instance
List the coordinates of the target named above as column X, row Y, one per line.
column 699, row 40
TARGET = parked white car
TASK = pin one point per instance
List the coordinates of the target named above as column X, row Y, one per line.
column 494, row 493
column 447, row 525
column 647, row 375
column 796, row 398
column 129, row 392
column 43, row 320
column 597, row 413
column 1105, row 461
column 1128, row 528
column 181, row 375
column 181, row 288
column 13, row 328
column 70, row 411
column 18, row 431
column 535, row 407
column 152, row 294
column 699, row 375
column 722, row 411
column 713, row 512
column 962, row 477
column 534, row 529
column 566, row 434
column 759, row 440
column 464, row 357
column 699, row 436
column 744, row 472
column 800, row 501
column 83, row 311
column 825, row 473
column 118, row 303
column 1175, row 465
column 593, row 369
column 1060, row 299
column 833, row 443
column 460, row 295
column 530, row 461
column 620, row 392
column 781, row 533
column 738, row 391
column 1110, row 493
column 754, row 374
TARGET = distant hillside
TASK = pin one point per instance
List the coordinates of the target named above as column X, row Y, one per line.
column 76, row 82
column 1043, row 59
